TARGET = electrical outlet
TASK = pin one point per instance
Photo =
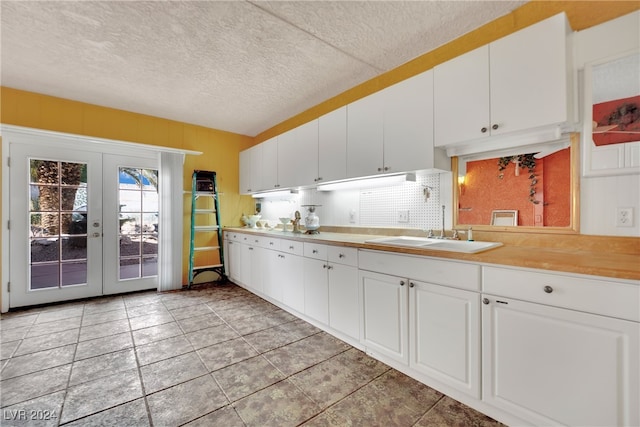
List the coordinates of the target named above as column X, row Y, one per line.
column 403, row 215
column 624, row 217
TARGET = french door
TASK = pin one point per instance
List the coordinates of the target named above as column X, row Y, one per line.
column 82, row 224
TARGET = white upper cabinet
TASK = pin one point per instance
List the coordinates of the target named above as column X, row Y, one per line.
column 298, row 156
column 365, row 136
column 270, row 164
column 332, row 146
column 408, row 126
column 251, row 169
column 518, row 83
column 461, row 98
column 391, row 131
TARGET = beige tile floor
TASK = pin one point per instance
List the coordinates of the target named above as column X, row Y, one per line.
column 213, row 356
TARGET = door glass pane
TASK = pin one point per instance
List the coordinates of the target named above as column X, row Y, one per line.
column 58, row 224
column 138, row 211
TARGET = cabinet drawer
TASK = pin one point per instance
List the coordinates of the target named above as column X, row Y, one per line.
column 291, row 247
column 605, row 297
column 315, row 250
column 234, row 236
column 270, row 243
column 448, row 273
column 342, row 255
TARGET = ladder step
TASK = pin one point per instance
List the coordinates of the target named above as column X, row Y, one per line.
column 203, row 194
column 205, row 211
column 202, row 267
column 206, row 228
column 206, row 248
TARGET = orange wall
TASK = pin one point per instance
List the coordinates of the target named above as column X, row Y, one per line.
column 220, row 149
column 484, row 191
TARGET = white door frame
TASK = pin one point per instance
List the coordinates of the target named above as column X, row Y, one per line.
column 64, row 141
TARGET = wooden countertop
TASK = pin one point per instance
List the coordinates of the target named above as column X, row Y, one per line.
column 613, row 257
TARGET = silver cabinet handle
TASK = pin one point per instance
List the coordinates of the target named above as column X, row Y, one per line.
column 402, row 283
column 548, row 289
column 96, row 224
column 341, row 256
column 485, row 301
column 411, row 284
column 484, row 130
column 315, row 251
column 494, row 127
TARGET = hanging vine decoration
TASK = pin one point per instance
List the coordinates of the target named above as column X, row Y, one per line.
column 525, row 161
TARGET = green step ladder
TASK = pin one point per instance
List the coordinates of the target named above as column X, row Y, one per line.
column 206, row 233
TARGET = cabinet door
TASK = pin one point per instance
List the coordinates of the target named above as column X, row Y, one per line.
column 461, row 98
column 269, row 164
column 250, row 169
column 292, row 276
column 444, row 326
column 252, row 267
column 272, row 267
column 234, row 261
column 332, row 146
column 384, row 315
column 298, row 156
column 364, row 136
column 316, row 290
column 408, row 124
column 529, row 77
column 556, row 366
column 344, row 300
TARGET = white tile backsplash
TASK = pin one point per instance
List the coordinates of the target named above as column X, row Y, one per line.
column 373, row 207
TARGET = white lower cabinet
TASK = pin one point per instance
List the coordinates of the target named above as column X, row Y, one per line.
column 444, row 331
column 316, row 290
column 554, row 366
column 384, row 327
column 234, row 260
column 292, row 278
column 272, row 267
column 251, row 262
column 344, row 300
column 331, row 287
column 561, row 349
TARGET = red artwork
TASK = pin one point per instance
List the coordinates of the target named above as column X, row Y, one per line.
column 617, row 121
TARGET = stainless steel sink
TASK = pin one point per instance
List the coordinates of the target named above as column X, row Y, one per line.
column 436, row 244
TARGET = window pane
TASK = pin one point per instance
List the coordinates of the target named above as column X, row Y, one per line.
column 129, row 268
column 44, row 171
column 45, row 198
column 129, row 178
column 37, row 228
column 74, row 273
column 150, row 179
column 150, row 201
column 149, row 266
column 130, row 224
column 45, row 276
column 74, row 248
column 73, row 173
column 44, row 250
column 129, row 246
column 130, row 201
column 150, row 245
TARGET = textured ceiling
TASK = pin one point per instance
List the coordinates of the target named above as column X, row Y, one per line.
column 233, row 65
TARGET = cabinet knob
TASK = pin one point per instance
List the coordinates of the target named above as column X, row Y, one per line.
column 250, row 248
column 402, row 283
column 324, row 265
column 495, row 126
column 291, row 247
column 411, row 284
column 315, row 251
column 484, row 130
column 485, row 301
column 329, row 267
column 548, row 289
column 379, row 169
column 319, row 178
column 386, row 168
column 341, row 256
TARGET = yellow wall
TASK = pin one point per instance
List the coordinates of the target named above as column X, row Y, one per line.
column 220, row 149
column 581, row 15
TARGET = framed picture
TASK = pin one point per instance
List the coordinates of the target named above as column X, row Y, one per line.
column 504, row 217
